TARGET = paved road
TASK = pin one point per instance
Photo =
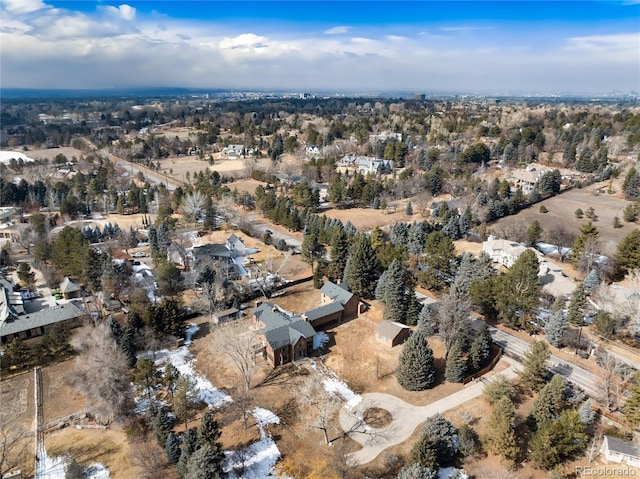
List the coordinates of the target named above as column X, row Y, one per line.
column 577, row 375
column 152, row 176
column 406, row 418
column 515, row 346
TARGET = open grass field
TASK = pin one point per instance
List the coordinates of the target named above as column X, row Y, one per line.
column 51, row 153
column 561, row 213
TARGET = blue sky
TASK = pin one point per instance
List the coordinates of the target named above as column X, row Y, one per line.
column 472, row 47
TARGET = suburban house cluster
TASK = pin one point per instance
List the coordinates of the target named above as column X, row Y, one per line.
column 231, row 254
column 552, row 278
column 16, row 321
column 527, row 179
column 287, row 337
column 365, row 165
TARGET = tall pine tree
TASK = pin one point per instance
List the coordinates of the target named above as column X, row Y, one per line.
column 360, row 271
column 395, row 302
column 415, row 369
column 339, row 254
column 456, row 365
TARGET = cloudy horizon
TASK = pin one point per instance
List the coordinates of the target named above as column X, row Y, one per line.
column 545, row 47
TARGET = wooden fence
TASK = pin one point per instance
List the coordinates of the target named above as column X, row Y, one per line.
column 497, row 354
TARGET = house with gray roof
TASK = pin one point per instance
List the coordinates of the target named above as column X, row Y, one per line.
column 286, row 336
column 36, row 324
column 289, row 336
column 621, row 452
column 69, row 288
column 392, row 333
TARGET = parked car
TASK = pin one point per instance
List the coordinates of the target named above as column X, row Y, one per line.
column 139, row 254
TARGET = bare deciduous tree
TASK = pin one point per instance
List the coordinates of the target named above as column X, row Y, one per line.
column 561, row 238
column 149, row 458
column 312, row 395
column 611, row 381
column 238, row 341
column 193, row 205
column 12, row 446
column 100, row 372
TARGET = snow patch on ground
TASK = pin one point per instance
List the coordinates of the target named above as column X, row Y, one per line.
column 257, row 460
column 334, row 386
column 264, row 417
column 320, row 339
column 96, row 471
column 183, row 361
column 449, row 472
column 54, row 468
column 546, row 248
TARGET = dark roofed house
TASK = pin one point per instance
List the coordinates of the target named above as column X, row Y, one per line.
column 617, row 450
column 392, row 333
column 323, row 314
column 287, row 337
column 39, row 323
column 70, row 289
column 225, row 315
column 235, row 244
column 338, row 293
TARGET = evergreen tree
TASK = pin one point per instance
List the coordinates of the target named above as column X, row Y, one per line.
column 209, row 214
column 501, row 437
column 395, row 303
column 427, row 324
column 208, row 430
column 161, row 424
column 413, row 306
column 627, row 256
column 534, row 233
column 592, row 281
column 415, row 369
column 550, row 400
column 453, row 317
column 416, row 471
column 381, row 286
column 555, row 327
column 577, row 306
column 588, row 233
column 632, row 406
column 423, row 453
column 443, row 435
column 189, row 446
column 586, row 412
column 339, row 254
column 360, row 272
column 203, row 464
column 517, row 295
column 456, row 365
column 558, row 441
column 536, row 366
column 480, row 350
column 172, row 448
column 409, row 209
column 499, row 387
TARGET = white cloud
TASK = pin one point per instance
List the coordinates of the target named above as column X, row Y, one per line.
column 119, row 46
column 629, row 42
column 23, row 6
column 246, row 41
column 337, row 30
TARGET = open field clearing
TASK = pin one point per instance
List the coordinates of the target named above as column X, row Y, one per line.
column 51, row 153
column 561, row 213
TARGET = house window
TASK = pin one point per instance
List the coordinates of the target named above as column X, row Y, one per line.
column 28, row 333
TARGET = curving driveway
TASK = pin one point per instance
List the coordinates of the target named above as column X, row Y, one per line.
column 406, row 417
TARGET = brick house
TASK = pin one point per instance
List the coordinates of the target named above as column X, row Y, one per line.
column 287, row 336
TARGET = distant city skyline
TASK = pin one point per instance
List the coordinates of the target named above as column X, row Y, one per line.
column 478, row 47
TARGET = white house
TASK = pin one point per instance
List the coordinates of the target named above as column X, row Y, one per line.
column 503, row 251
column 312, row 151
column 234, row 151
column 617, row 450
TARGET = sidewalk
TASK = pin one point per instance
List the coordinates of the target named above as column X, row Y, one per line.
column 406, row 417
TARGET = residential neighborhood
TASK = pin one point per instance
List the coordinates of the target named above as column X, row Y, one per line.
column 220, row 285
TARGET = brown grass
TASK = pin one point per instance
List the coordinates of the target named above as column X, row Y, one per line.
column 109, row 447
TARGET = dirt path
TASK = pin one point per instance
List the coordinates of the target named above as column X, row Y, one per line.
column 406, row 417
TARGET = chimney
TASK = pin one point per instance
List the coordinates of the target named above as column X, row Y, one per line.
column 274, row 308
